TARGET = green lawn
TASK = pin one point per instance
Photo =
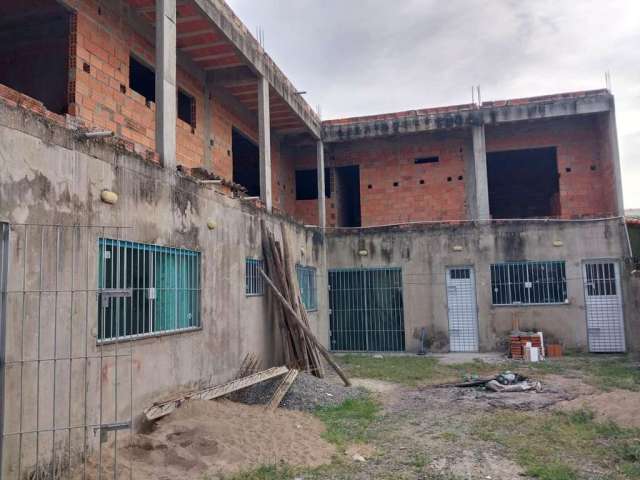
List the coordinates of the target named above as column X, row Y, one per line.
column 564, row 446
column 412, row 370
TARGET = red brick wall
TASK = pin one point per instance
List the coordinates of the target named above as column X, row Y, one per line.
column 584, row 191
column 384, row 162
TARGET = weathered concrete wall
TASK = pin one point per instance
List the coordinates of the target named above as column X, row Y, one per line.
column 47, row 176
column 425, row 251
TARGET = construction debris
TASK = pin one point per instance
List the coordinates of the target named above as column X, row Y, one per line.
column 282, row 389
column 160, row 409
column 503, row 382
column 300, row 346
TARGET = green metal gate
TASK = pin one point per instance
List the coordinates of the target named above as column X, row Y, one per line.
column 366, row 310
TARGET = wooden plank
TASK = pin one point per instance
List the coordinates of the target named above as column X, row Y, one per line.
column 282, row 389
column 158, row 410
column 325, row 353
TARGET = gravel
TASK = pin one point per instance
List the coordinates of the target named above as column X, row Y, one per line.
column 306, row 393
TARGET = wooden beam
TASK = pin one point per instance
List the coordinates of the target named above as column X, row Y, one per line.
column 307, row 331
column 158, row 410
column 282, row 389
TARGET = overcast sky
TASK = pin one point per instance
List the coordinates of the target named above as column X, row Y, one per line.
column 358, row 57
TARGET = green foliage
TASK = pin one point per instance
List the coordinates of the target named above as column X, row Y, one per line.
column 266, row 472
column 349, row 421
column 557, row 446
column 413, row 370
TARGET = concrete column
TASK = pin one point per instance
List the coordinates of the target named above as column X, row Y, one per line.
column 615, row 157
column 322, row 212
column 264, row 128
column 207, row 161
column 480, row 173
column 166, row 103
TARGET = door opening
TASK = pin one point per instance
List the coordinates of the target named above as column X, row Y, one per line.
column 461, row 306
column 246, row 163
column 366, row 309
column 347, row 187
column 603, row 302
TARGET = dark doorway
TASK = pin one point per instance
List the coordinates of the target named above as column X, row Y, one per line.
column 34, row 51
column 246, row 163
column 347, row 186
column 523, row 183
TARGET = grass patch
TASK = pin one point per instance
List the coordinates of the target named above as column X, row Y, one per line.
column 350, row 421
column 412, row 371
column 266, row 472
column 564, row 446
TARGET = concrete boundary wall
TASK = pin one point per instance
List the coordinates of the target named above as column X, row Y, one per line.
column 50, row 176
column 424, row 251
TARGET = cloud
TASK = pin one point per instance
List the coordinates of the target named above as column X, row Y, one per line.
column 358, row 57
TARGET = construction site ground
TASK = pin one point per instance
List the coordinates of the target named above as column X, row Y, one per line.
column 397, row 421
column 585, row 424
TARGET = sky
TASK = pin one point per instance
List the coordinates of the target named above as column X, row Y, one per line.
column 359, row 57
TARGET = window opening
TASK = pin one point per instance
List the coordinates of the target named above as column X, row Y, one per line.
column 164, row 284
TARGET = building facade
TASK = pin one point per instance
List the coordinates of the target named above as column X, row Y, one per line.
column 143, row 142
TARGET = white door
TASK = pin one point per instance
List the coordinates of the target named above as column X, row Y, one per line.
column 463, row 316
column 605, row 324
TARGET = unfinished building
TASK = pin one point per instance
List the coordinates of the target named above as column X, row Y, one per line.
column 142, row 142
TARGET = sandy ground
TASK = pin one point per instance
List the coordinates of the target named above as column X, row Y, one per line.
column 619, row 406
column 219, row 437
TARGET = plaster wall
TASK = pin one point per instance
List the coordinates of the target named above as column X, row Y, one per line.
column 50, row 177
column 425, row 251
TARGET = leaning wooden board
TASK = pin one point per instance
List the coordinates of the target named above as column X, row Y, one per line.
column 160, row 409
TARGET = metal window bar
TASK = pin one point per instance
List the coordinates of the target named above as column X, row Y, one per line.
column 165, row 291
column 307, row 284
column 253, row 281
column 529, row 283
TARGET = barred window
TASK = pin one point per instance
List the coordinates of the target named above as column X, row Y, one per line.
column 307, row 283
column 146, row 289
column 253, row 280
column 528, row 283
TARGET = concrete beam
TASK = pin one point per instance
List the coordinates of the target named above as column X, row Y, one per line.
column 612, row 132
column 252, row 53
column 264, row 131
column 490, row 113
column 322, row 213
column 481, row 181
column 232, row 76
column 166, row 104
column 207, row 147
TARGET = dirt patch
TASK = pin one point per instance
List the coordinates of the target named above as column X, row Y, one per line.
column 472, row 464
column 376, row 386
column 216, row 437
column 619, row 406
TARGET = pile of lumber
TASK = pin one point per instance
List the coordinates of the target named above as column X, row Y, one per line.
column 301, row 349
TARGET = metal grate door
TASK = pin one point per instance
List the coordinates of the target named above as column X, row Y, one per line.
column 605, row 324
column 462, row 309
column 366, row 309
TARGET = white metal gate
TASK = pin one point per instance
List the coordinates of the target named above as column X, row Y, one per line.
column 463, row 316
column 605, row 323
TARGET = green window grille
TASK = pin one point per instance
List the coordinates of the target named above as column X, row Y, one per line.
column 307, row 283
column 253, row 280
column 528, row 283
column 163, row 286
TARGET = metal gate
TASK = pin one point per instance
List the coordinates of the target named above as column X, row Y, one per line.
column 603, row 301
column 68, row 396
column 366, row 309
column 462, row 310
